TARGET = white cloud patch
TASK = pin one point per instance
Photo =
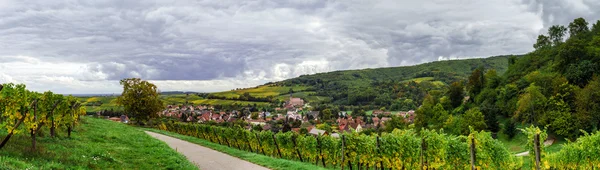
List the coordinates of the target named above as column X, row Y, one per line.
column 87, row 46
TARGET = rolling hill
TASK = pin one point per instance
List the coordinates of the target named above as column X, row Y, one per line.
column 348, row 87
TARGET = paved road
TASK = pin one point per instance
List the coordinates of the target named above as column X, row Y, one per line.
column 205, row 158
column 546, row 143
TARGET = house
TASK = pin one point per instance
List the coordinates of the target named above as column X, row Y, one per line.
column 342, row 114
column 312, row 114
column 124, row 119
column 408, row 116
column 293, row 103
column 266, row 127
column 377, row 112
column 317, row 132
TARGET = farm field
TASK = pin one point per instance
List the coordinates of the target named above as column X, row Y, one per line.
column 95, row 144
column 261, row 91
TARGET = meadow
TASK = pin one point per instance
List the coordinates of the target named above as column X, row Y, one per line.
column 95, row 144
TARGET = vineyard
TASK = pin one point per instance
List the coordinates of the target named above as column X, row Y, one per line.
column 34, row 111
column 401, row 149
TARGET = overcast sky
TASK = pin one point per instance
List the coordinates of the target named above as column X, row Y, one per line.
column 87, row 46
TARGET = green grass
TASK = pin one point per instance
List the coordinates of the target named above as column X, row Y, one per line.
column 266, row 161
column 95, row 144
column 306, row 95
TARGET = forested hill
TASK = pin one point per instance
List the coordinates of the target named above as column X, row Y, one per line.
column 442, row 70
column 383, row 86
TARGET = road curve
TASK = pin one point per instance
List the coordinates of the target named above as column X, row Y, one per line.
column 205, row 158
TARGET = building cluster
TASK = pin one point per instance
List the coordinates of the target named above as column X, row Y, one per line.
column 293, row 110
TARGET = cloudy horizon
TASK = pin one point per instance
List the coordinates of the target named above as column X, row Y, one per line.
column 86, row 47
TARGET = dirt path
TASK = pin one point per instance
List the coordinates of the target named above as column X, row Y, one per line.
column 205, row 158
column 546, row 143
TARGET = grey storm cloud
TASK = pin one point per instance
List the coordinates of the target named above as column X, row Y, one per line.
column 262, row 40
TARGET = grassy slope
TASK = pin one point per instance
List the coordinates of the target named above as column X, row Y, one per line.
column 461, row 68
column 269, row 162
column 96, row 144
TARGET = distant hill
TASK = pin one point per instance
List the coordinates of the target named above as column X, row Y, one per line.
column 177, row 92
column 362, row 87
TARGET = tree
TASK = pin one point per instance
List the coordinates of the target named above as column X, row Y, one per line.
column 542, row 42
column 140, row 99
column 396, row 122
column 530, row 104
column 254, row 115
column 510, row 129
column 581, row 72
column 492, row 80
column 439, row 116
column 475, row 119
column 476, row 82
column 326, row 114
column 556, row 34
column 578, row 27
column 456, row 93
column 588, row 105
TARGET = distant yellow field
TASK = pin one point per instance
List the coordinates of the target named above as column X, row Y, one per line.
column 261, row 91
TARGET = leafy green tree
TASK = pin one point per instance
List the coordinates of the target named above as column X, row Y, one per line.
column 455, row 125
column 530, row 104
column 507, row 99
column 588, row 105
column 424, row 113
column 326, row 115
column 510, row 129
column 492, row 80
column 581, row 72
column 578, row 27
column 556, row 34
column 476, row 82
column 358, row 112
column 456, row 93
column 542, row 42
column 475, row 119
column 140, row 99
column 439, row 116
column 396, row 122
column 254, row 115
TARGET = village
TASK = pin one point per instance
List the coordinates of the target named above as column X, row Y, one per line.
column 293, row 115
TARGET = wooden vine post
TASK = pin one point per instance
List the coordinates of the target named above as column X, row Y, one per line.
column 320, row 153
column 295, row 146
column 423, row 149
column 536, row 145
column 277, row 146
column 215, row 133
column 226, row 140
column 260, row 145
column 342, row 163
column 248, row 140
column 379, row 152
column 473, row 153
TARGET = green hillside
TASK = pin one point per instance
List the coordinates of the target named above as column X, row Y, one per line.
column 386, row 86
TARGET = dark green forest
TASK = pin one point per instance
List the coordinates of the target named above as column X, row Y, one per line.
column 556, row 87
